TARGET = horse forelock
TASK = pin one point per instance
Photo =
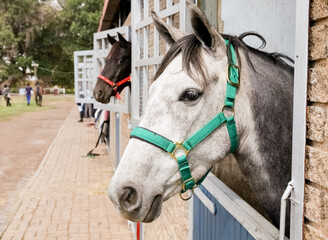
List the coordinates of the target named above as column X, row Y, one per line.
column 115, row 50
column 192, row 60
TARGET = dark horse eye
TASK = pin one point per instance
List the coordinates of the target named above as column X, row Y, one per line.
column 190, row 95
column 119, row 61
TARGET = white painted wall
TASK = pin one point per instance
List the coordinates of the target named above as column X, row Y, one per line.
column 273, row 19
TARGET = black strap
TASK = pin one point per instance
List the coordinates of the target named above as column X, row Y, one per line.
column 90, row 153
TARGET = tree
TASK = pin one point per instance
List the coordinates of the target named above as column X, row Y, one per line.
column 17, row 21
column 34, row 30
column 82, row 19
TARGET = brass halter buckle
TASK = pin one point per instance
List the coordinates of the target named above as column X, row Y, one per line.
column 184, row 183
column 228, row 77
column 173, row 154
column 178, row 146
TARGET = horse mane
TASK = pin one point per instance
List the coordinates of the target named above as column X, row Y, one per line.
column 274, row 57
column 190, row 47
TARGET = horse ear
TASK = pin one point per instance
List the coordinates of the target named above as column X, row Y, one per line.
column 204, row 32
column 122, row 40
column 168, row 32
column 111, row 40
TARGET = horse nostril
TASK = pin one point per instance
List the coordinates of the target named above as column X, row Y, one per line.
column 99, row 93
column 129, row 198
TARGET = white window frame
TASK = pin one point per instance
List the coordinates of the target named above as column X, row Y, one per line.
column 101, row 48
column 299, row 118
column 84, row 73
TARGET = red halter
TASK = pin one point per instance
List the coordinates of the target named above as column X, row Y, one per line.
column 115, row 85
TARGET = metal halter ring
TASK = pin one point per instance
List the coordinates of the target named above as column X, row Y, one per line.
column 232, row 109
column 186, row 199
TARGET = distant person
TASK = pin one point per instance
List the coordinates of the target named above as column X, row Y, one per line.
column 88, row 110
column 81, row 110
column 38, row 94
column 28, row 91
column 6, row 94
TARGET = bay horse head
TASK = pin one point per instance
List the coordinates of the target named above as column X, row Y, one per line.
column 117, row 70
column 212, row 95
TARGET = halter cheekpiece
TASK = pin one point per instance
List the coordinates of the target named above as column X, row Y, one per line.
column 179, row 151
column 115, row 85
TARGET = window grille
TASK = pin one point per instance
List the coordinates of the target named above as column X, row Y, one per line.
column 148, row 48
column 83, row 76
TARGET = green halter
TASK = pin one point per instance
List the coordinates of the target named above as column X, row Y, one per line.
column 188, row 182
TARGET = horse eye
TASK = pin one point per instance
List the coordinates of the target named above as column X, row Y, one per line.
column 190, row 95
column 119, row 61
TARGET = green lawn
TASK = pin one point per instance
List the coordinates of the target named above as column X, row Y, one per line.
column 19, row 105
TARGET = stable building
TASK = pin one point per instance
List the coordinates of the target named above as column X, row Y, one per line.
column 296, row 29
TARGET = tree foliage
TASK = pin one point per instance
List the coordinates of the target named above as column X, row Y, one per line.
column 35, row 30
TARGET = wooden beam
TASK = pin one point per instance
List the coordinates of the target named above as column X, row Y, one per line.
column 109, row 10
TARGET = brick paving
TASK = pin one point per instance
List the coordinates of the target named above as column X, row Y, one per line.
column 66, row 197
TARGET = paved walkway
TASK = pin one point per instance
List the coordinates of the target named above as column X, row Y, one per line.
column 66, row 198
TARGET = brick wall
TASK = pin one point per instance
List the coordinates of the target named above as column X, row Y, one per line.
column 316, row 162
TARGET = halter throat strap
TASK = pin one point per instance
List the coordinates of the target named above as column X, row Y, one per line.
column 115, row 85
column 179, row 150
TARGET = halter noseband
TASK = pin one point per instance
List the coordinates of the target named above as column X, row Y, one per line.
column 175, row 149
column 115, row 85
